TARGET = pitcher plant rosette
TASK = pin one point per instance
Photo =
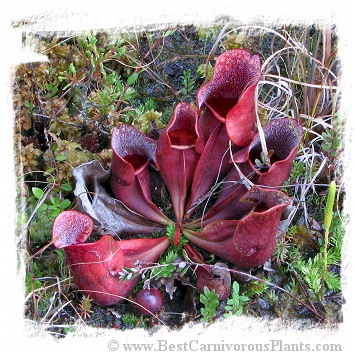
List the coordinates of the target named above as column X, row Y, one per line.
column 223, row 187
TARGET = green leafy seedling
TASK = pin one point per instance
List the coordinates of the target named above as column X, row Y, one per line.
column 37, row 192
column 236, row 303
column 188, row 82
column 210, row 299
column 54, row 205
column 52, row 90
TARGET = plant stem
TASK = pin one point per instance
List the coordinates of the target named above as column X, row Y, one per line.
column 328, row 215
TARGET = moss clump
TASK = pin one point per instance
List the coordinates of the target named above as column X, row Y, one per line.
column 147, row 120
column 64, row 155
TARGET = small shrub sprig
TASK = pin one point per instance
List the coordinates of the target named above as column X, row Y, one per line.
column 188, row 83
column 168, row 265
column 54, row 205
column 236, row 303
column 209, row 299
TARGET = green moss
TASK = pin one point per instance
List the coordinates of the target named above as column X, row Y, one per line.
column 148, row 120
column 67, row 155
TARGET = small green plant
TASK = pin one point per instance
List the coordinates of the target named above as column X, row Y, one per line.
column 29, row 106
column 188, row 83
column 52, row 90
column 132, row 321
column 255, row 287
column 209, row 299
column 332, row 138
column 36, row 289
column 236, row 303
column 43, row 206
column 165, row 266
column 68, row 330
column 312, row 275
column 85, row 307
column 170, row 230
column 168, row 264
column 145, row 116
column 68, row 76
column 148, row 105
column 97, row 55
column 201, row 71
column 60, row 262
column 314, row 271
column 271, row 296
column 53, row 205
column 264, row 161
column 298, row 170
column 283, row 245
column 337, row 231
column 311, row 272
column 331, row 142
column 112, row 90
column 31, row 284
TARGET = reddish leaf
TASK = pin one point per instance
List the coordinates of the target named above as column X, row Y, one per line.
column 250, row 241
column 213, row 164
column 230, row 94
column 95, row 266
column 234, row 72
column 145, row 250
column 71, row 227
column 228, row 204
column 132, row 151
column 241, row 119
column 282, row 138
column 230, row 99
column 177, row 155
column 217, row 278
